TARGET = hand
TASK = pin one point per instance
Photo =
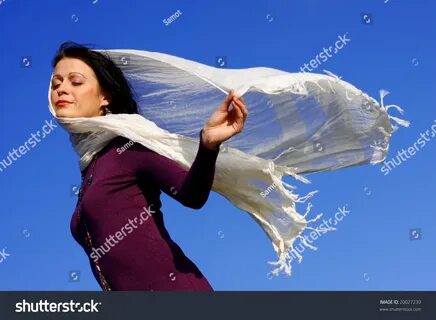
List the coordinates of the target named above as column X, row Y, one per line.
column 224, row 124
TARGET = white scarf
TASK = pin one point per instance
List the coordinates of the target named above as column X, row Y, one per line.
column 298, row 123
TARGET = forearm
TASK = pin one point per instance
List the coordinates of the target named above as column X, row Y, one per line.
column 199, row 179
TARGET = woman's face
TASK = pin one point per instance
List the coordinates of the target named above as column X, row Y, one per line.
column 75, row 82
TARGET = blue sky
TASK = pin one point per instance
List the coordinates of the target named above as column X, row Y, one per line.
column 392, row 47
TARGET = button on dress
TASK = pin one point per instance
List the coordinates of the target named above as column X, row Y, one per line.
column 120, row 226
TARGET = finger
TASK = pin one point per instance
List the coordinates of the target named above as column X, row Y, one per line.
column 239, row 99
column 242, row 106
column 232, row 93
column 225, row 105
column 240, row 116
column 230, row 96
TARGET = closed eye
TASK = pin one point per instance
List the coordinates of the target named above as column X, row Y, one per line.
column 74, row 84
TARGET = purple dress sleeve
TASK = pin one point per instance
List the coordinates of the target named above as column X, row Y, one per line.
column 190, row 187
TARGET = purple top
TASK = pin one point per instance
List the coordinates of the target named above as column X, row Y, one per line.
column 119, row 224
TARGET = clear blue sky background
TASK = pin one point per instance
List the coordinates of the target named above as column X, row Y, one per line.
column 371, row 250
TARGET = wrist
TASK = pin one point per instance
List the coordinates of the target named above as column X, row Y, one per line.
column 204, row 140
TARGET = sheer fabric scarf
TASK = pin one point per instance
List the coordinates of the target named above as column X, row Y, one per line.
column 298, row 123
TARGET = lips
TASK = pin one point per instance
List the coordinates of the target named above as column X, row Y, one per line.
column 62, row 102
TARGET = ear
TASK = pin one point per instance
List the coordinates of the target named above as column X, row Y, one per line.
column 105, row 100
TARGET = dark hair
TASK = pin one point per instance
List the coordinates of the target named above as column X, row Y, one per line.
column 109, row 75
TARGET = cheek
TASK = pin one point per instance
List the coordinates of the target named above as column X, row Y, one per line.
column 52, row 99
column 86, row 95
column 86, row 100
column 52, row 95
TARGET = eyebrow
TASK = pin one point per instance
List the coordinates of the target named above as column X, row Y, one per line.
column 57, row 75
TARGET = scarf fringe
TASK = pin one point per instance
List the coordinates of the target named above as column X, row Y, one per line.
column 380, row 156
column 284, row 250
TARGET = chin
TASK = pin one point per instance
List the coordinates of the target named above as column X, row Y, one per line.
column 64, row 113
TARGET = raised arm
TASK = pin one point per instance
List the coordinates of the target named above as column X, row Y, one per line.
column 190, row 187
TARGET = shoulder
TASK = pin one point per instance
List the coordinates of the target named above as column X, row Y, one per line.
column 125, row 151
column 132, row 154
column 122, row 144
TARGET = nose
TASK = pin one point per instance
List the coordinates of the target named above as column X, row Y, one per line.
column 61, row 89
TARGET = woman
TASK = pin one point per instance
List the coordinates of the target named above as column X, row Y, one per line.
column 117, row 219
